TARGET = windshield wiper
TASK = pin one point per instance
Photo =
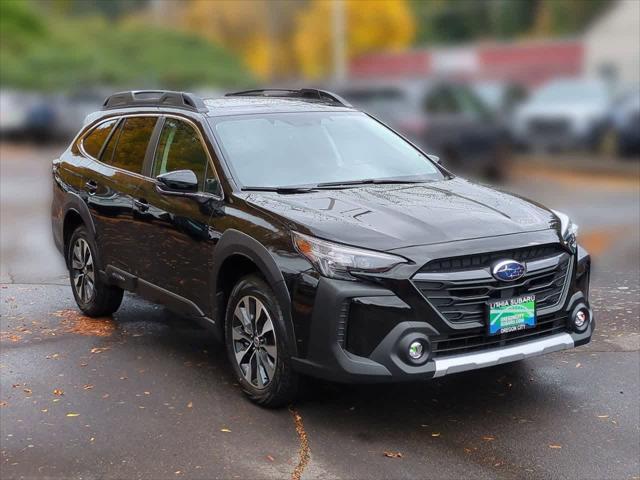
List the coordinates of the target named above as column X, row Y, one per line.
column 282, row 190
column 369, row 181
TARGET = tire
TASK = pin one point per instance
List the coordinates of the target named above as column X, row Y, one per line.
column 93, row 296
column 255, row 338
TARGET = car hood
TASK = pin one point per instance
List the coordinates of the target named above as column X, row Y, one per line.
column 388, row 217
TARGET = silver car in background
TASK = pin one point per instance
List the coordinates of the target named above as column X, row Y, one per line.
column 563, row 114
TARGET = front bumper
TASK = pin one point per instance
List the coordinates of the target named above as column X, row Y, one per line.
column 388, row 317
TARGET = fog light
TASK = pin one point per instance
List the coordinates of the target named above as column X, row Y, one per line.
column 581, row 319
column 416, row 350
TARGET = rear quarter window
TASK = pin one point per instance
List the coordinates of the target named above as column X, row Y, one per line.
column 92, row 143
column 132, row 143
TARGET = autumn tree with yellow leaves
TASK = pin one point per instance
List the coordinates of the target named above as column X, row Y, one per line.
column 371, row 25
column 284, row 38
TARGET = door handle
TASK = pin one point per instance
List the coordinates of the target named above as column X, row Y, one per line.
column 91, row 187
column 141, row 204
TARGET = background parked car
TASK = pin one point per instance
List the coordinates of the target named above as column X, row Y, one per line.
column 59, row 116
column 563, row 114
column 501, row 97
column 444, row 118
column 14, row 109
column 622, row 137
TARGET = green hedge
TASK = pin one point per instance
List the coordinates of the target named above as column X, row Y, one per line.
column 61, row 54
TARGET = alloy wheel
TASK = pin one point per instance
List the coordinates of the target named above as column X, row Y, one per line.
column 254, row 341
column 82, row 270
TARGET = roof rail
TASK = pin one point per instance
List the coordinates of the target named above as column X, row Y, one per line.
column 303, row 93
column 155, row 98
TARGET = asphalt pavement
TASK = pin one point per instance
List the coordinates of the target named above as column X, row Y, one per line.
column 147, row 394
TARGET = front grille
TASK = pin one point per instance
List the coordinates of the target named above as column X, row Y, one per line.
column 460, row 343
column 461, row 293
column 481, row 260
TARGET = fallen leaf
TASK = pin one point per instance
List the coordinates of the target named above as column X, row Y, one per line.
column 226, row 430
column 392, row 454
column 554, row 446
column 270, row 458
column 58, row 392
column 72, row 414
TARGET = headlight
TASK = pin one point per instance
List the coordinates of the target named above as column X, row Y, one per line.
column 338, row 261
column 568, row 229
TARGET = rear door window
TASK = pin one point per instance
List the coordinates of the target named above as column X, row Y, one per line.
column 131, row 145
column 180, row 148
column 93, row 142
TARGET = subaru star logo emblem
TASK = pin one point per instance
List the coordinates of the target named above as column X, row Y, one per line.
column 508, row 270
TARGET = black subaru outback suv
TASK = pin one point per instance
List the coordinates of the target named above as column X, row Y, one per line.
column 313, row 239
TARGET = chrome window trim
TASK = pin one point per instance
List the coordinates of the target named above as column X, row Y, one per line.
column 79, row 142
column 80, row 139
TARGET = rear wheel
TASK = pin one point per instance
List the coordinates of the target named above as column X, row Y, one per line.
column 256, row 344
column 93, row 296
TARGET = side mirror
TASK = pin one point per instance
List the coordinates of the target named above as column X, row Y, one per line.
column 178, row 181
column 434, row 158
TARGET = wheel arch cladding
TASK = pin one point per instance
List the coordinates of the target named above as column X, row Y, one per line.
column 72, row 220
column 74, row 204
column 236, row 255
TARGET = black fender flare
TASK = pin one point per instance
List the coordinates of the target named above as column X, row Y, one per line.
column 74, row 203
column 233, row 242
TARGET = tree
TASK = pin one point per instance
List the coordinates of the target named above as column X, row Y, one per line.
column 259, row 31
column 71, row 53
column 455, row 21
column 372, row 25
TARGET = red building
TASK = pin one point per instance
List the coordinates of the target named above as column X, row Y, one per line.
column 528, row 63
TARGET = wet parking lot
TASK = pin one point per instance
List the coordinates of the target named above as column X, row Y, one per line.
column 147, row 394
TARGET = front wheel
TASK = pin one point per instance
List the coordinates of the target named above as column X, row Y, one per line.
column 93, row 296
column 256, row 344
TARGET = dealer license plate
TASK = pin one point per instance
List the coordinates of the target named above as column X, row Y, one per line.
column 511, row 315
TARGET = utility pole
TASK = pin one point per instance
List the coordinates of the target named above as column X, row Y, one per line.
column 339, row 41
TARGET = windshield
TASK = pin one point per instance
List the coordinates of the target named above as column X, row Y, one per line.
column 571, row 91
column 309, row 148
